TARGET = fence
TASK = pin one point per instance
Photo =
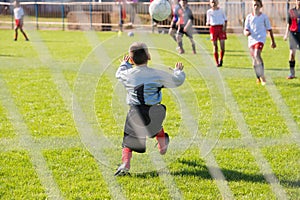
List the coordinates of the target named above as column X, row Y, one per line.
column 105, row 16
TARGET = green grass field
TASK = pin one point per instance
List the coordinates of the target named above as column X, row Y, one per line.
column 62, row 114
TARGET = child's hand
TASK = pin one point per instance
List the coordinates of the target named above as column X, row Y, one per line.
column 179, row 66
column 126, row 58
column 247, row 33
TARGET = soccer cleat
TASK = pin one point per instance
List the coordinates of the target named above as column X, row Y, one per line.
column 163, row 150
column 258, row 81
column 220, row 63
column 122, row 170
column 263, row 80
column 181, row 50
column 291, row 77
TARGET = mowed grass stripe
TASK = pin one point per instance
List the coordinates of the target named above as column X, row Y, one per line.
column 285, row 162
column 244, row 176
column 247, row 135
column 27, row 141
column 39, row 102
column 19, row 177
column 288, row 105
column 67, row 95
column 214, row 84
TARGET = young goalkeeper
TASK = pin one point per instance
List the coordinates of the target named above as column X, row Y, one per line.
column 146, row 113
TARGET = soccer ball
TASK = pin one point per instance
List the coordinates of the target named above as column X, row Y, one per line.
column 160, row 9
column 130, row 34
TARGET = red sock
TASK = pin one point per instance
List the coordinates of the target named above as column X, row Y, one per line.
column 126, row 156
column 221, row 55
column 216, row 57
column 161, row 139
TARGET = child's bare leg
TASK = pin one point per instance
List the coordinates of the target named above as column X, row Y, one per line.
column 16, row 33
column 21, row 29
column 163, row 141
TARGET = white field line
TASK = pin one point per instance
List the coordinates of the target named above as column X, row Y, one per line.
column 174, row 191
column 27, row 141
column 285, row 111
column 215, row 83
column 166, row 178
column 263, row 164
column 84, row 128
column 265, row 168
column 216, row 89
column 205, row 152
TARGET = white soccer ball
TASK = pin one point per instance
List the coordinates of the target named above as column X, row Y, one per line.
column 130, row 34
column 160, row 9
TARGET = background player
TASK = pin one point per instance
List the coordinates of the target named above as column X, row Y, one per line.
column 293, row 32
column 19, row 15
column 217, row 20
column 256, row 26
column 185, row 26
column 173, row 25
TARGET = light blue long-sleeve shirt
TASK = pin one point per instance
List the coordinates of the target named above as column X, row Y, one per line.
column 143, row 84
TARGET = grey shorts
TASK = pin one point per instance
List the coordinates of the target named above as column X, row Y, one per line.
column 142, row 121
column 294, row 40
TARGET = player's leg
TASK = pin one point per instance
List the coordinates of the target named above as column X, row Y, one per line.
column 252, row 52
column 157, row 114
column 222, row 37
column 24, row 34
column 16, row 34
column 189, row 33
column 213, row 30
column 292, row 63
column 163, row 141
column 259, row 66
column 294, row 40
column 124, row 168
column 172, row 31
column 17, row 24
column 134, row 138
column 222, row 52
column 179, row 40
column 215, row 51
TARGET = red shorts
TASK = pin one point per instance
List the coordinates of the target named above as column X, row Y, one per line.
column 18, row 23
column 216, row 32
column 258, row 45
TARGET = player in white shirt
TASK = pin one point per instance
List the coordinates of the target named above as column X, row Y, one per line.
column 217, row 20
column 256, row 26
column 19, row 14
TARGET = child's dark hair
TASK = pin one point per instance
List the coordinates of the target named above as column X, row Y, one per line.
column 138, row 52
column 260, row 2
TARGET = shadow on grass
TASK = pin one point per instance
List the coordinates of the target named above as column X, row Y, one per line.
column 6, row 55
column 197, row 169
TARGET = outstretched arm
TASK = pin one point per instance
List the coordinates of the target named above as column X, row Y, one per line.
column 177, row 78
